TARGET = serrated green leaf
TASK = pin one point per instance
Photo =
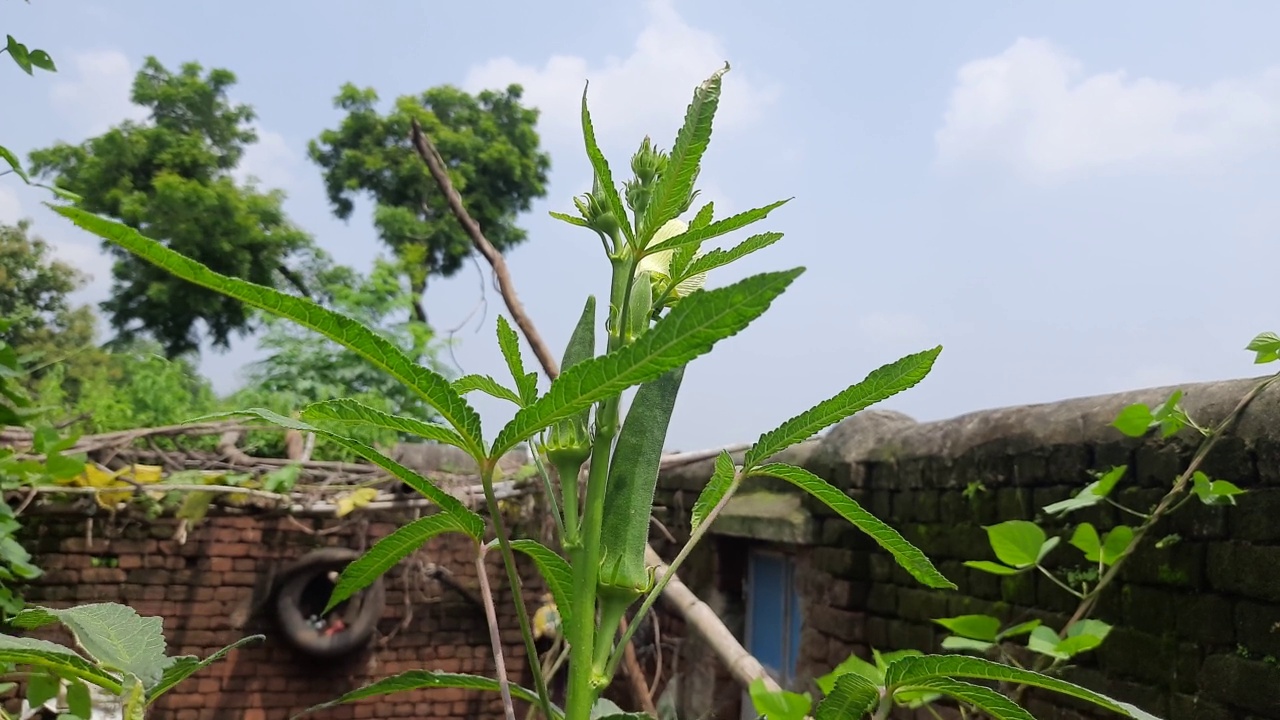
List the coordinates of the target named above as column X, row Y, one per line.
column 907, row 555
column 448, row 504
column 1017, row 543
column 14, row 163
column 488, row 386
column 41, row 688
column 509, row 343
column 604, row 176
column 50, row 656
column 691, row 329
column 430, row 386
column 987, row 700
column 1267, row 347
column 722, row 479
column 576, row 221
column 114, row 635
column 388, row 551
column 423, row 680
column 715, row 229
column 703, row 217
column 851, row 696
column 778, row 704
column 883, row 382
column 675, row 185
column 975, row 627
column 555, row 571
column 719, row 258
column 1134, row 421
column 352, row 412
column 913, row 670
column 184, row 666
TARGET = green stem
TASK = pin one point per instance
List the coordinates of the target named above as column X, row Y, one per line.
column 1059, row 583
column 586, row 558
column 513, row 577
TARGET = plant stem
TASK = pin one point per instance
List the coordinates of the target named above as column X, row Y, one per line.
column 1059, row 583
column 513, row 577
column 495, row 638
column 586, row 558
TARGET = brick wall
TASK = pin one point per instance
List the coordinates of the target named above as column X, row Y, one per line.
column 1197, row 625
column 210, row 592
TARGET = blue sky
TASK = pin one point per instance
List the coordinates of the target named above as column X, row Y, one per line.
column 1072, row 199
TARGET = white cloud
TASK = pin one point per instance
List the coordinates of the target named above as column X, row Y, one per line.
column 97, row 95
column 270, row 160
column 643, row 93
column 1034, row 108
column 10, row 208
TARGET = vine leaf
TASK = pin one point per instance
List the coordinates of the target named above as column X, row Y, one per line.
column 987, row 700
column 430, row 385
column 184, row 666
column 880, row 384
column 691, row 329
column 695, row 235
column 908, row 556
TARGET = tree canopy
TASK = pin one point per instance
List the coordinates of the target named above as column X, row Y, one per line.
column 488, row 141
column 34, row 297
column 170, row 177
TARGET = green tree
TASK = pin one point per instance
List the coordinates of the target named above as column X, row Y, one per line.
column 170, row 177
column 34, row 290
column 304, row 367
column 489, row 142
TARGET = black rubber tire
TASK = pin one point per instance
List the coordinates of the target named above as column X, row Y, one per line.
column 361, row 614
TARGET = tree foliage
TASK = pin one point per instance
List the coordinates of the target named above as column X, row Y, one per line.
column 171, row 177
column 34, row 297
column 489, row 143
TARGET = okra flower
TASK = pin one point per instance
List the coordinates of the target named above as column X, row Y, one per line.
column 659, row 264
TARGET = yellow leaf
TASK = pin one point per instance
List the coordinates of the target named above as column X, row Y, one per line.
column 356, row 499
column 147, row 474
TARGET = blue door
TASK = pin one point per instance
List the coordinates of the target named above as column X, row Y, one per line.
column 773, row 615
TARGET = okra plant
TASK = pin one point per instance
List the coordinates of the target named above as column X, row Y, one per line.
column 659, row 317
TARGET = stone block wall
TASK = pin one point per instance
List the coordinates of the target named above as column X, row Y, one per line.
column 213, row 589
column 1197, row 631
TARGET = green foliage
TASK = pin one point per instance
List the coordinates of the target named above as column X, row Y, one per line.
column 424, row 680
column 907, row 555
column 170, row 178
column 1213, row 492
column 1266, row 346
column 34, row 290
column 487, row 141
column 654, row 327
column 1019, row 544
column 304, row 367
column 123, row 653
column 1092, row 494
column 26, row 58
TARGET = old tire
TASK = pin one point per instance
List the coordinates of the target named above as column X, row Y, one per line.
column 302, row 593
